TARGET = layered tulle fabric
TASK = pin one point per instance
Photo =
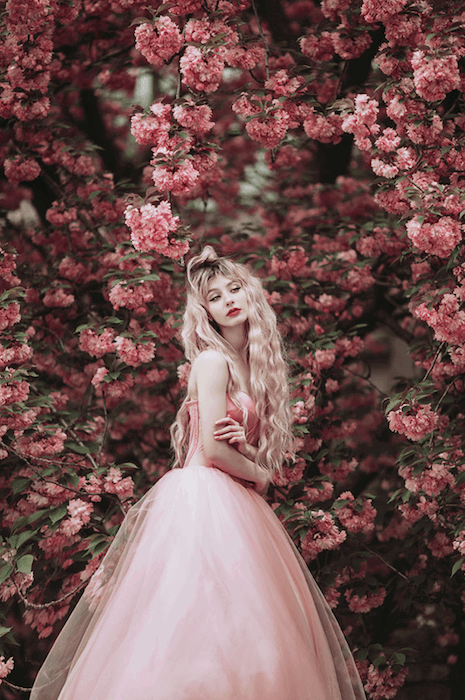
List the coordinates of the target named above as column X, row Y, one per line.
column 202, row 596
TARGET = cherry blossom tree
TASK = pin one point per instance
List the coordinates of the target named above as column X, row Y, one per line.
column 324, row 145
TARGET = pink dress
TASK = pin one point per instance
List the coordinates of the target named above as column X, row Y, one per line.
column 202, row 596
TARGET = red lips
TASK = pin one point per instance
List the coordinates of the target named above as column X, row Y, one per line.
column 233, row 312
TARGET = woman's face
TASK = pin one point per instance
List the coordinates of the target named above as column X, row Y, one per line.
column 226, row 301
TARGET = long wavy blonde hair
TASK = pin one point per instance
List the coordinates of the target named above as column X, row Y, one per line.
column 268, row 370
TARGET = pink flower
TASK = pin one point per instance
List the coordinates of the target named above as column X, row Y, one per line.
column 388, row 141
column 150, row 226
column 152, row 130
column 447, row 321
column 5, row 667
column 114, row 483
column 459, row 543
column 439, row 238
column 9, row 315
column 318, row 495
column 245, row 58
column 13, row 391
column 97, row 345
column 417, row 422
column 15, row 354
column 178, row 179
column 374, row 11
column 364, row 603
column 349, row 47
column 134, row 354
column 202, row 70
column 196, row 118
column 19, row 169
column 405, row 158
column 58, row 297
column 158, row 42
column 383, row 169
column 431, row 480
column 99, row 376
column 41, row 444
column 363, row 122
column 185, row 7
column 77, row 508
column 282, row 84
column 183, row 371
column 318, row 48
column 423, row 507
column 131, row 296
column 324, row 129
column 435, row 77
column 358, row 517
column 269, row 130
column 441, row 545
column 382, row 684
column 72, row 270
column 322, row 534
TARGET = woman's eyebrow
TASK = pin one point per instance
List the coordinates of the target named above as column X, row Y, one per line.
column 215, row 289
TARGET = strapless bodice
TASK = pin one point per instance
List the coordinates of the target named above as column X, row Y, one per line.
column 195, row 454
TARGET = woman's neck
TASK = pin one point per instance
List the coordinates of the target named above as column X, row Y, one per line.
column 237, row 338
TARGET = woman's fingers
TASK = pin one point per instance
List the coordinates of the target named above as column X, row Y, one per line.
column 231, row 430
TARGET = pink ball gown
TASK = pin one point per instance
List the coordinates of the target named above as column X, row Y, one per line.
column 202, row 596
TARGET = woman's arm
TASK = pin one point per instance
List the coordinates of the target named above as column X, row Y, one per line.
column 231, row 430
column 212, row 376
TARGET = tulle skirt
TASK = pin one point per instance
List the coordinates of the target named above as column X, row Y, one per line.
column 202, row 596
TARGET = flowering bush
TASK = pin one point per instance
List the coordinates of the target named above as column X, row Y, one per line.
column 325, row 146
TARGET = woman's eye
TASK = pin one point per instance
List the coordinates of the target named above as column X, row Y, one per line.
column 235, row 289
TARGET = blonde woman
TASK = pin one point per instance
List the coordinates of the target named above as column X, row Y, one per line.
column 203, row 595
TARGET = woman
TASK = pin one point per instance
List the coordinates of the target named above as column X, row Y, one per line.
column 202, row 595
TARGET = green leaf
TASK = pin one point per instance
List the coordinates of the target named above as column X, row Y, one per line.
column 399, row 658
column 17, row 540
column 58, row 514
column 27, row 519
column 19, row 485
column 4, row 630
column 24, row 563
column 6, row 571
column 79, row 449
column 457, row 566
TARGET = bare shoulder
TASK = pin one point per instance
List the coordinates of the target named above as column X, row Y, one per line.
column 209, row 367
column 210, row 359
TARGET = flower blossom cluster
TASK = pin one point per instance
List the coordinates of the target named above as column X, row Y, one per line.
column 151, row 226
column 115, row 483
column 5, row 667
column 415, row 423
column 447, row 319
column 79, row 515
column 382, row 683
column 21, row 169
column 431, row 480
column 363, row 122
column 322, row 534
column 96, row 344
column 202, row 70
column 433, row 76
column 40, row 444
column 439, row 238
column 366, row 602
column 134, row 354
column 160, row 41
column 356, row 517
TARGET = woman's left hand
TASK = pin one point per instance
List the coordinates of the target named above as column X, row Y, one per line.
column 229, row 429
